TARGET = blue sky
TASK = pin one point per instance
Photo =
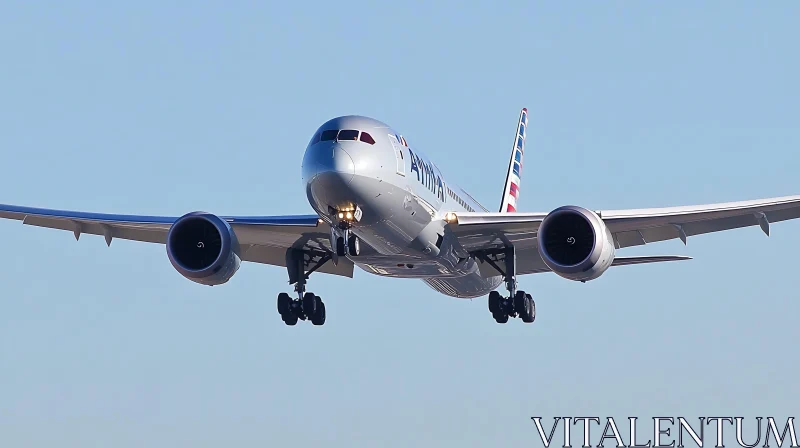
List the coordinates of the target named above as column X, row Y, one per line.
column 153, row 108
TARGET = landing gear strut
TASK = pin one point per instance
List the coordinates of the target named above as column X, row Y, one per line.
column 346, row 242
column 307, row 306
column 518, row 303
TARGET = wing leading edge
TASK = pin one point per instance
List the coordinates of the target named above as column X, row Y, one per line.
column 263, row 239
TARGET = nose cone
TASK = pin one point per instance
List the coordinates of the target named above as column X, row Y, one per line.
column 328, row 161
column 327, row 171
column 340, row 164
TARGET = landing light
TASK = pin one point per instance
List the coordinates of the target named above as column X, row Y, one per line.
column 349, row 215
column 451, row 218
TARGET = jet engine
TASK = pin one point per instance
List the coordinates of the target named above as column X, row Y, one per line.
column 203, row 248
column 575, row 243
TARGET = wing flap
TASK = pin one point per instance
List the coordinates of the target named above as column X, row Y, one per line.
column 149, row 233
column 110, row 231
column 477, row 231
column 627, row 261
column 276, row 256
column 314, row 237
column 530, row 262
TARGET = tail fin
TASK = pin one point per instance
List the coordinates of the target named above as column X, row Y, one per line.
column 511, row 191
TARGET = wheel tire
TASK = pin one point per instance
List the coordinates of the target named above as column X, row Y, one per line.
column 353, row 246
column 319, row 316
column 310, row 302
column 494, row 302
column 341, row 247
column 529, row 315
column 289, row 319
column 519, row 303
column 284, row 303
column 500, row 318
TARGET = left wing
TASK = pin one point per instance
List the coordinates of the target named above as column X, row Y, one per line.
column 487, row 231
column 263, row 239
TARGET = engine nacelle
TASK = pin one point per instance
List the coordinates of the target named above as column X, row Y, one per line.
column 203, row 248
column 575, row 243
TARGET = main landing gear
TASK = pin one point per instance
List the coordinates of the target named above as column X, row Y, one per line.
column 518, row 303
column 306, row 306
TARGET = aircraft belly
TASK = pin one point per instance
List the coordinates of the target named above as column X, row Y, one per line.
column 466, row 287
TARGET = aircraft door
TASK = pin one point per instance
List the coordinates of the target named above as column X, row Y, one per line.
column 398, row 154
column 401, row 163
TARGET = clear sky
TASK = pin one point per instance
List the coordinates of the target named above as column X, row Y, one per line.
column 170, row 107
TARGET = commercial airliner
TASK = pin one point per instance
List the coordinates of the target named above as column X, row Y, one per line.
column 382, row 205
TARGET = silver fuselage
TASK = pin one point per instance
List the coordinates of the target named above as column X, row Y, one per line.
column 404, row 199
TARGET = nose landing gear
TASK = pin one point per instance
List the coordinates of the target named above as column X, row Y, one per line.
column 348, row 245
column 346, row 242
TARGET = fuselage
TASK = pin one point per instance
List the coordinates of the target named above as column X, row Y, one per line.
column 358, row 162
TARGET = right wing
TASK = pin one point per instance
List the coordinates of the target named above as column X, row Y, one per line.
column 642, row 226
column 263, row 239
column 478, row 232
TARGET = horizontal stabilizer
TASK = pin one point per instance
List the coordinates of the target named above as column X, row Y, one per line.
column 625, row 261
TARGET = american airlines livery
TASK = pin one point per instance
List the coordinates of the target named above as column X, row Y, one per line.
column 383, row 206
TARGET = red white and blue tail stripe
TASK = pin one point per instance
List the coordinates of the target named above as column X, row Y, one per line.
column 511, row 191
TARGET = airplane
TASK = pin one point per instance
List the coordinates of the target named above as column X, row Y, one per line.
column 382, row 205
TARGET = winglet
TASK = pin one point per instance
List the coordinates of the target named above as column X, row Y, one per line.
column 511, row 188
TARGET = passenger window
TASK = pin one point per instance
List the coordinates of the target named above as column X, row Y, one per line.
column 366, row 138
column 328, row 135
column 347, row 134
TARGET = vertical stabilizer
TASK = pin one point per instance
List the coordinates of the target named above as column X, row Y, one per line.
column 511, row 190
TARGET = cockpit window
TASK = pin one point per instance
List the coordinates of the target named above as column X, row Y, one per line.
column 366, row 138
column 342, row 135
column 347, row 134
column 330, row 134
